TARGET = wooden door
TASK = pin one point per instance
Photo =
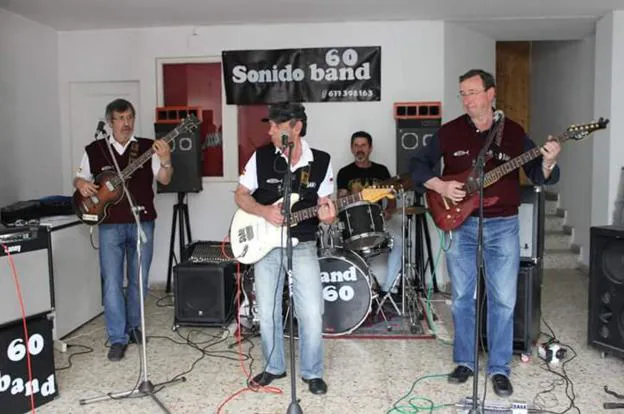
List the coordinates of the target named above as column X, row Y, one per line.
column 513, row 76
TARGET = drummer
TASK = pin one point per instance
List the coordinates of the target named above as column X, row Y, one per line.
column 363, row 173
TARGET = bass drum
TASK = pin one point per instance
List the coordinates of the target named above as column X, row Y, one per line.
column 346, row 291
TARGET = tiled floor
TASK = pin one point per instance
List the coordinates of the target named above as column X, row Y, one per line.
column 364, row 376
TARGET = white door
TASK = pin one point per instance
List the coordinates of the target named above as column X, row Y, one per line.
column 87, row 104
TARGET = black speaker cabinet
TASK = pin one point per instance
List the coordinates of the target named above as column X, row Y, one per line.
column 527, row 313
column 186, row 158
column 204, row 293
column 605, row 320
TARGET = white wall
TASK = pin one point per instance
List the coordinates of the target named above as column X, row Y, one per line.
column 30, row 159
column 412, row 70
column 463, row 50
column 562, row 93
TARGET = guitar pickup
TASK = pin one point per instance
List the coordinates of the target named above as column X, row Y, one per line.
column 245, row 234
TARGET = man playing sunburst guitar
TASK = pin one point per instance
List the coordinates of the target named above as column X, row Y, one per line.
column 458, row 144
column 118, row 231
column 260, row 186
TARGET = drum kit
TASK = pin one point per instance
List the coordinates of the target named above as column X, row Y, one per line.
column 351, row 290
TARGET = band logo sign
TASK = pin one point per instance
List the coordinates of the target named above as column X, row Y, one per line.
column 336, row 74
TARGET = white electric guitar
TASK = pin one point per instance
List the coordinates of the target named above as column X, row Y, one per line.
column 252, row 237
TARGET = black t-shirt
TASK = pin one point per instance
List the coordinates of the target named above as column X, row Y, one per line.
column 354, row 178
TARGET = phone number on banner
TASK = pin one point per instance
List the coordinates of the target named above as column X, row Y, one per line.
column 347, row 93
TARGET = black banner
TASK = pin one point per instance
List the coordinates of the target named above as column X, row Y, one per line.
column 336, row 74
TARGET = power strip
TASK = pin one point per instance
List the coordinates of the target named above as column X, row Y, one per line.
column 493, row 407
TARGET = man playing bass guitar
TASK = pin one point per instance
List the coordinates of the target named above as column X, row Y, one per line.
column 458, row 143
column 118, row 231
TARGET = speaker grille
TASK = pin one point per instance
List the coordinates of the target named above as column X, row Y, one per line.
column 613, row 261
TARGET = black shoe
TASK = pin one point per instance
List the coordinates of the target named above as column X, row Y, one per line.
column 502, row 386
column 316, row 385
column 460, row 375
column 116, row 352
column 265, row 378
column 135, row 336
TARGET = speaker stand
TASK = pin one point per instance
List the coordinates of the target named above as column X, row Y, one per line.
column 181, row 218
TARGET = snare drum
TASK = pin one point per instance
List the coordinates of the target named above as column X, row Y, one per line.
column 346, row 291
column 362, row 225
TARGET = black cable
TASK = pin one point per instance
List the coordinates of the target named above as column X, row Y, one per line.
column 87, row 350
column 166, row 305
column 564, row 377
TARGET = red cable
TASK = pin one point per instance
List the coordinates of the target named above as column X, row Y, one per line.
column 272, row 390
column 21, row 303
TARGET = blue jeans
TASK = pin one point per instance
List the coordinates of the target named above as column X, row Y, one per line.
column 501, row 252
column 308, row 302
column 119, row 242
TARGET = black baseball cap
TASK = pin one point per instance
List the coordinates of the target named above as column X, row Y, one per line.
column 286, row 111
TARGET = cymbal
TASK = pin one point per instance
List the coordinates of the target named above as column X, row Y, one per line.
column 403, row 181
column 415, row 210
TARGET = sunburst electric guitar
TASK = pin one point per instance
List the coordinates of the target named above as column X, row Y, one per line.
column 448, row 215
column 92, row 210
column 252, row 237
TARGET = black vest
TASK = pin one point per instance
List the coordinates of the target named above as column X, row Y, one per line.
column 271, row 169
column 139, row 185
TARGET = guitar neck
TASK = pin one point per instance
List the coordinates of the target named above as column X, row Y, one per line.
column 310, row 212
column 143, row 158
column 497, row 173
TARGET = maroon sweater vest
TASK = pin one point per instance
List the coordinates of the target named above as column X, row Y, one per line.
column 140, row 184
column 460, row 143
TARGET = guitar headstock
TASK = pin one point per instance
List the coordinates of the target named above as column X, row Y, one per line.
column 578, row 132
column 374, row 194
column 190, row 123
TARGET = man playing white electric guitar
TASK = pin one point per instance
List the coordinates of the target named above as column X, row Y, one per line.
column 260, row 187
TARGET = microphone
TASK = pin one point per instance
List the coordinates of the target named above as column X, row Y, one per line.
column 498, row 115
column 285, row 137
column 99, row 129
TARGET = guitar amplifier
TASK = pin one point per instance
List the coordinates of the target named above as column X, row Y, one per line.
column 531, row 219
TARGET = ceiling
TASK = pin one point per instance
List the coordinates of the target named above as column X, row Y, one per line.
column 499, row 19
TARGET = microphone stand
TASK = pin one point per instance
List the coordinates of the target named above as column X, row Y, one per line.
column 480, row 168
column 294, row 407
column 145, row 387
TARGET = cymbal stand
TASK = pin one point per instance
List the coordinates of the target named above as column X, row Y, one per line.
column 410, row 277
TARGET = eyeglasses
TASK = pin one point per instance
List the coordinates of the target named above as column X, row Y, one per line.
column 124, row 118
column 471, row 92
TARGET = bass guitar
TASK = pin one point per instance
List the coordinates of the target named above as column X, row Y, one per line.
column 252, row 237
column 92, row 210
column 448, row 215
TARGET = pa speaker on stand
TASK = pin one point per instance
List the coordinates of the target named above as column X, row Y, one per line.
column 186, row 159
column 186, row 151
column 416, row 123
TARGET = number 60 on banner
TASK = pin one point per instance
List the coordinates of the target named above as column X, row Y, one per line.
column 17, row 350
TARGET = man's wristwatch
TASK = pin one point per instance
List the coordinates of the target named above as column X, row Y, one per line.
column 552, row 166
column 166, row 164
